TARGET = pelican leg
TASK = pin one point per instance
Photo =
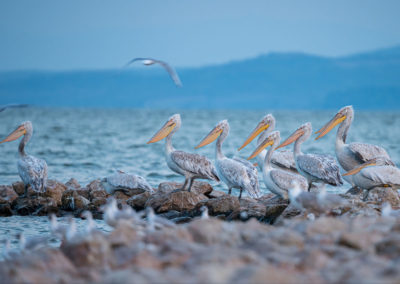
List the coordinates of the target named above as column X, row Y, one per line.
column 240, row 194
column 230, row 190
column 309, row 186
column 25, row 191
column 190, row 183
column 184, row 185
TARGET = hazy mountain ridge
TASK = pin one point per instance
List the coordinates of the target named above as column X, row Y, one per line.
column 277, row 80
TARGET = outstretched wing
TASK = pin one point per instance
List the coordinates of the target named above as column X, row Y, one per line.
column 364, row 152
column 196, row 164
column 320, row 167
column 171, row 71
column 4, row 107
column 138, row 59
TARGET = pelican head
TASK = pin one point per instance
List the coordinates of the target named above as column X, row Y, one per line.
column 264, row 124
column 272, row 139
column 222, row 126
column 173, row 123
column 340, row 116
column 303, row 130
column 378, row 161
column 24, row 128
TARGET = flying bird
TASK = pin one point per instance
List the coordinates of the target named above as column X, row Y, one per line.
column 151, row 61
column 4, row 107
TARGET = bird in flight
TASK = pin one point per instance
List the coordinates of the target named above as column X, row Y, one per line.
column 4, row 107
column 150, row 61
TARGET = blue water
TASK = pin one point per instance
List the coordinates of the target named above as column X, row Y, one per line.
column 87, row 144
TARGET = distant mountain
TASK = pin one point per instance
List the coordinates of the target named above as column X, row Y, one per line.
column 277, row 80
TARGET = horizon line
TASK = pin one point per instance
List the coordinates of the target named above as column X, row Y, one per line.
column 184, row 68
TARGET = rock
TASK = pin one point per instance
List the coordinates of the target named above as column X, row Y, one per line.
column 179, row 201
column 97, row 203
column 252, row 208
column 327, row 226
column 123, row 235
column 7, row 194
column 199, row 187
column 171, row 214
column 5, row 210
column 355, row 191
column 89, row 252
column 54, row 190
column 122, row 197
column 35, row 205
column 215, row 194
column 96, row 190
column 359, row 240
column 42, row 266
column 72, row 201
column 223, row 205
column 389, row 246
column 381, row 195
column 19, row 188
column 73, row 184
column 213, row 231
column 182, row 220
column 274, row 206
column 289, row 212
column 138, row 202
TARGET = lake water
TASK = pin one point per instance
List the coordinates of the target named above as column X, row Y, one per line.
column 87, row 144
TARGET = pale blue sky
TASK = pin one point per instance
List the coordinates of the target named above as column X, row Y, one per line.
column 94, row 34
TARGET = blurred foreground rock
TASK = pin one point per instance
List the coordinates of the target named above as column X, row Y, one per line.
column 324, row 250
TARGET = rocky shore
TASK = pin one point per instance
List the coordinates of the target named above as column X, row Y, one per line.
column 259, row 241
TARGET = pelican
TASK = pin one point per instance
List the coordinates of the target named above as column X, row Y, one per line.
column 33, row 171
column 191, row 166
column 354, row 154
column 315, row 168
column 320, row 202
column 279, row 159
column 124, row 182
column 236, row 172
column 375, row 173
column 277, row 180
column 150, row 61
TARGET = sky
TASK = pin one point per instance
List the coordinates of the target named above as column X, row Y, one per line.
column 98, row 34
